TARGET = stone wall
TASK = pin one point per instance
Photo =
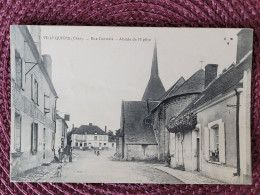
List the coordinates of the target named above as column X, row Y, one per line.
column 171, row 108
column 141, row 152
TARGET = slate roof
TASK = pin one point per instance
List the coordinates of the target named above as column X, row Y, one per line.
column 224, row 83
column 154, row 89
column 111, row 139
column 172, row 89
column 88, row 129
column 195, row 84
column 135, row 130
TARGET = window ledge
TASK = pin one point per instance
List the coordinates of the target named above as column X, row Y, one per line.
column 16, row 154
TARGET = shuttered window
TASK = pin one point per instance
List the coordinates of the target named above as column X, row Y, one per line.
column 215, row 144
column 17, row 132
column 46, row 104
column 18, row 69
column 34, row 138
column 34, row 89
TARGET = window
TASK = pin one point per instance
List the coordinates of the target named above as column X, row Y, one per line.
column 100, row 137
column 95, row 138
column 148, row 121
column 105, row 144
column 80, row 144
column 112, row 144
column 85, row 144
column 34, row 138
column 34, row 89
column 17, row 133
column 214, row 140
column 100, row 144
column 46, row 104
column 214, row 143
column 19, row 70
column 76, row 144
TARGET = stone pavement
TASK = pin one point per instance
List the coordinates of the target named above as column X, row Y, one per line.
column 186, row 176
column 38, row 174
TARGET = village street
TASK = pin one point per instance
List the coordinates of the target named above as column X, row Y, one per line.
column 90, row 168
column 87, row 167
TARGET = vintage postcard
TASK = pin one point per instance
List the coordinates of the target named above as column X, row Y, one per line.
column 130, row 105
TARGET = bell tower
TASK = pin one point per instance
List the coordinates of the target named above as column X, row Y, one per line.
column 154, row 88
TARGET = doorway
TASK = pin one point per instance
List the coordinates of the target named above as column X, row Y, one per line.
column 198, row 153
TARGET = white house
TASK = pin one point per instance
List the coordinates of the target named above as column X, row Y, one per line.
column 88, row 137
column 61, row 133
column 33, row 101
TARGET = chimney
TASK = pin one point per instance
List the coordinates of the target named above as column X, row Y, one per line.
column 90, row 124
column 47, row 63
column 105, row 129
column 244, row 43
column 211, row 71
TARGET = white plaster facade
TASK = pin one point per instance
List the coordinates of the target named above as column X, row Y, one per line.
column 89, row 141
column 33, row 101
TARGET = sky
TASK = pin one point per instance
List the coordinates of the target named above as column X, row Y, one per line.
column 101, row 66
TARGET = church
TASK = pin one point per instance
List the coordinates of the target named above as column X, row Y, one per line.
column 136, row 140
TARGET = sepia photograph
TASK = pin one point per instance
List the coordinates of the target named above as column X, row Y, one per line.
column 96, row 104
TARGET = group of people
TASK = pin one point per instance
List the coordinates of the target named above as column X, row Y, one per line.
column 97, row 152
column 64, row 153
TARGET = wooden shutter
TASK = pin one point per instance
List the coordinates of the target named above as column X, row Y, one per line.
column 32, row 87
column 212, row 140
column 222, row 143
column 23, row 75
column 206, row 142
column 36, row 134
column 37, row 93
column 32, row 137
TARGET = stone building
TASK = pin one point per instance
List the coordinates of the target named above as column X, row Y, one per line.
column 33, row 101
column 215, row 127
column 61, row 133
column 172, row 103
column 89, row 137
column 136, row 139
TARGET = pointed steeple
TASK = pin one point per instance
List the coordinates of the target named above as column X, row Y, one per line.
column 155, row 88
column 154, row 70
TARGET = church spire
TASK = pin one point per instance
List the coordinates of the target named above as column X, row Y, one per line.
column 155, row 88
column 154, row 70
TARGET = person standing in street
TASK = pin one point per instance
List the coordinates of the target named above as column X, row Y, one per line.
column 60, row 153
